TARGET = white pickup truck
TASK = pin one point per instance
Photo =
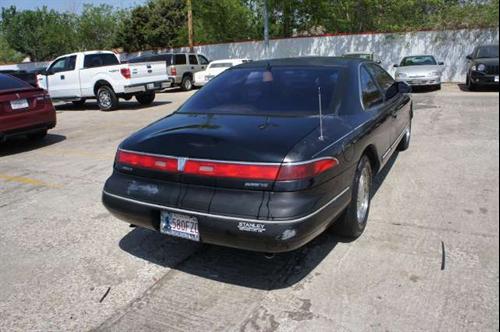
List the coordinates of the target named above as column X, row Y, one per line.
column 100, row 75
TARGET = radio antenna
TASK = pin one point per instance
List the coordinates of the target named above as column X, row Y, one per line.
column 321, row 137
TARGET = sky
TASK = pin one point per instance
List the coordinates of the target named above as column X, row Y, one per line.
column 74, row 6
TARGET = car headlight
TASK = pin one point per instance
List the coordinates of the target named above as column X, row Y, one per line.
column 480, row 67
column 435, row 73
column 401, row 75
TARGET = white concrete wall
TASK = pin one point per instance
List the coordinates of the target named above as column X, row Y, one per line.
column 450, row 47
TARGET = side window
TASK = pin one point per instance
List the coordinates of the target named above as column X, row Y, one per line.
column 99, row 60
column 203, row 60
column 71, row 63
column 58, row 66
column 384, row 80
column 370, row 92
column 193, row 60
column 180, row 59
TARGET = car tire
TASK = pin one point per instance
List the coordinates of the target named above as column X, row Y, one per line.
column 79, row 103
column 353, row 222
column 106, row 98
column 187, row 83
column 38, row 136
column 471, row 86
column 145, row 98
column 405, row 142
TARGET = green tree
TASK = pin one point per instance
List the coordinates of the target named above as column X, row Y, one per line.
column 41, row 34
column 97, row 27
column 7, row 54
column 152, row 26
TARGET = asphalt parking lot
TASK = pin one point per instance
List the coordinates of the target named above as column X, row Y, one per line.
column 429, row 260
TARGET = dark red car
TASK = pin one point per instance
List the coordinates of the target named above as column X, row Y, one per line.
column 24, row 109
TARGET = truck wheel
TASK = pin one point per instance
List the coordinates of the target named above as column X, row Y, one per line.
column 106, row 98
column 146, row 98
column 79, row 103
column 187, row 83
column 353, row 223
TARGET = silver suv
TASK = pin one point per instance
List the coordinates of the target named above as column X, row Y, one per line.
column 181, row 67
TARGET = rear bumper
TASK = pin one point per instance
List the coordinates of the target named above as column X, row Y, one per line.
column 480, row 78
column 23, row 123
column 151, row 86
column 229, row 221
column 248, row 234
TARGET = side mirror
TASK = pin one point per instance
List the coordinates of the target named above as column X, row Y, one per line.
column 404, row 88
column 396, row 65
column 441, row 63
column 469, row 57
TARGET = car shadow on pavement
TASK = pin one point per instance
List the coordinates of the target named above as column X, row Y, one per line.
column 382, row 175
column 228, row 265
column 92, row 106
column 233, row 266
column 424, row 89
column 464, row 88
column 21, row 144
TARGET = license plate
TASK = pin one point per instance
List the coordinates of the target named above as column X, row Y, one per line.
column 19, row 104
column 151, row 86
column 497, row 79
column 180, row 225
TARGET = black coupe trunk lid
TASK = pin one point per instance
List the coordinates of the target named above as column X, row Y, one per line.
column 243, row 138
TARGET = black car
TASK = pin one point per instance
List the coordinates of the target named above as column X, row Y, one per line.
column 23, row 75
column 483, row 68
column 266, row 156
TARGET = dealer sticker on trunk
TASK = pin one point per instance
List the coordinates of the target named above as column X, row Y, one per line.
column 251, row 227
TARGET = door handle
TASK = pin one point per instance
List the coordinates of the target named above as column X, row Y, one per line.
column 62, row 77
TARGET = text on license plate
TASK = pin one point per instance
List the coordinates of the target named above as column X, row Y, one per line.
column 19, row 104
column 179, row 225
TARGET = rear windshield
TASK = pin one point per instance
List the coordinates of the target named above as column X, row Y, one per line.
column 487, row 52
column 419, row 61
column 280, row 90
column 10, row 83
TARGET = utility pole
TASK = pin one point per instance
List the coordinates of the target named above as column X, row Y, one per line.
column 266, row 28
column 190, row 25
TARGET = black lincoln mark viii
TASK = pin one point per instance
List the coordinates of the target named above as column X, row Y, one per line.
column 266, row 156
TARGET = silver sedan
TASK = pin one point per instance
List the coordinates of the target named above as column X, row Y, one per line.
column 420, row 70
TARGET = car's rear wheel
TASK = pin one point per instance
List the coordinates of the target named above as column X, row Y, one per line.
column 353, row 222
column 146, row 98
column 187, row 83
column 38, row 135
column 106, row 98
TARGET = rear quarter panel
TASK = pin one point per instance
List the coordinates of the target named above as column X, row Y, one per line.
column 111, row 74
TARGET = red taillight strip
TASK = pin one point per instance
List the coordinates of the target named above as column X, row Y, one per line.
column 140, row 160
column 231, row 170
column 310, row 169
